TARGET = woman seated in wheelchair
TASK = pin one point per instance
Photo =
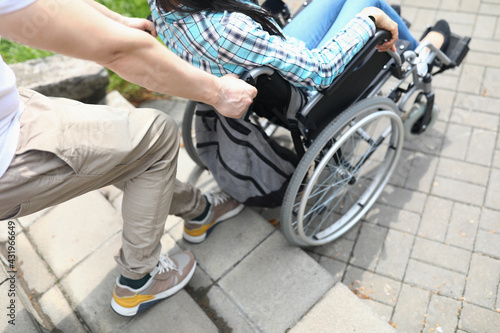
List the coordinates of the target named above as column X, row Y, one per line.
column 234, row 36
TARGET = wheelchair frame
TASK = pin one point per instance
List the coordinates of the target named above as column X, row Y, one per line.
column 350, row 136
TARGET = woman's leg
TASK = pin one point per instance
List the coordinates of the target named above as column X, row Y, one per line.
column 314, row 21
column 353, row 7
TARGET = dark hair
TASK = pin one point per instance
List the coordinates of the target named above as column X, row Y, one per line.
column 256, row 13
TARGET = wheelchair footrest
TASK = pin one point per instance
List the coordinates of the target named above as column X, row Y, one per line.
column 457, row 50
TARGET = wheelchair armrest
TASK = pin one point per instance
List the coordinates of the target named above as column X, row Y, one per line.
column 360, row 57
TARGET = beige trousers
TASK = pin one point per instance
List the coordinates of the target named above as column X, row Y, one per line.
column 67, row 148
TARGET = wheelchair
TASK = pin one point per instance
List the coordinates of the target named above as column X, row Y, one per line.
column 348, row 137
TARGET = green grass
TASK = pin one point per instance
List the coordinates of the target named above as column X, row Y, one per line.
column 13, row 52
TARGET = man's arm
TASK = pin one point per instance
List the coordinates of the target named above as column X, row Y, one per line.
column 77, row 29
column 141, row 24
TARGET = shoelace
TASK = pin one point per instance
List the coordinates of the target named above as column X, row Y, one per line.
column 165, row 264
column 216, row 199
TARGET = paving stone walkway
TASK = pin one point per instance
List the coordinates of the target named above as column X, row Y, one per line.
column 426, row 258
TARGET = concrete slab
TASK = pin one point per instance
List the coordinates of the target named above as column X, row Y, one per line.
column 73, row 230
column 90, row 288
column 35, row 272
column 410, row 309
column 234, row 319
column 15, row 318
column 179, row 313
column 228, row 243
column 276, row 284
column 341, row 311
column 62, row 317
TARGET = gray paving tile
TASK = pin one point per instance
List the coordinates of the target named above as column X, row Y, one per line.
column 372, row 286
column 393, row 218
column 368, row 246
column 35, row 272
column 234, row 319
column 475, row 119
column 339, row 249
column 15, row 317
column 476, row 319
column 434, row 223
column 384, row 311
column 443, row 314
column 422, row 172
column 444, row 100
column 481, row 147
column 73, row 230
column 228, row 243
column 61, row 314
column 484, row 45
column 490, row 220
column 491, row 78
column 473, row 102
column 487, row 242
column 465, row 171
column 436, row 279
column 179, row 313
column 485, row 27
column 458, row 190
column 469, row 5
column 402, row 170
column 90, row 288
column 471, row 79
column 496, row 159
column 410, row 308
column 395, row 254
column 492, row 194
column 463, row 226
column 341, row 311
column 334, row 267
column 456, row 140
column 442, row 255
column 431, row 142
column 276, row 284
column 403, row 198
column 482, row 281
column 28, row 220
column 423, row 18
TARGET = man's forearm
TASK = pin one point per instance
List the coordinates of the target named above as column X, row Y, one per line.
column 104, row 10
column 77, row 29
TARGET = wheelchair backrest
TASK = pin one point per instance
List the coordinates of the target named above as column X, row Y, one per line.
column 353, row 84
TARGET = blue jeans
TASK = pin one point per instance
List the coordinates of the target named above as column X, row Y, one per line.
column 325, row 18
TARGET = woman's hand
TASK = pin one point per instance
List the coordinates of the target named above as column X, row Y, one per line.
column 383, row 21
column 141, row 24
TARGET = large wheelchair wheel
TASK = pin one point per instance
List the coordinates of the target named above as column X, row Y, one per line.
column 188, row 133
column 342, row 173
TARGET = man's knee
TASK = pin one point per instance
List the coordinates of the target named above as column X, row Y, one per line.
column 167, row 130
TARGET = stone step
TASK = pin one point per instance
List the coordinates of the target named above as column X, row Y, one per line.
column 62, row 76
column 340, row 310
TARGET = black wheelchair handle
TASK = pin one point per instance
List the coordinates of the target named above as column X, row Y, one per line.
column 250, row 77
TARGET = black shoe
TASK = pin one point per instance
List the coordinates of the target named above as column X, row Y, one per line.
column 443, row 28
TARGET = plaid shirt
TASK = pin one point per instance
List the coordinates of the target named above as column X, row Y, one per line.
column 222, row 43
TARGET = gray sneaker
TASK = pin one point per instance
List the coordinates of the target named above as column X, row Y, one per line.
column 168, row 277
column 222, row 208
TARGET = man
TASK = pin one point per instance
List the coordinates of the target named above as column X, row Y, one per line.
column 53, row 149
